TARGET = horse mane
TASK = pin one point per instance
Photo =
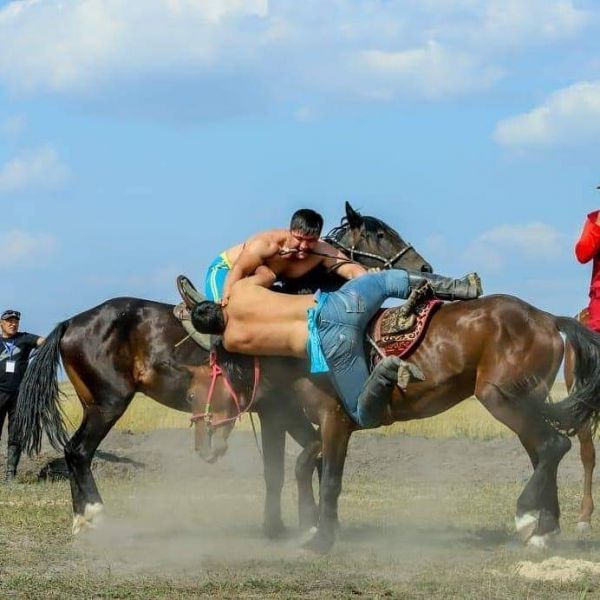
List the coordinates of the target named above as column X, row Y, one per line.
column 238, row 368
column 370, row 225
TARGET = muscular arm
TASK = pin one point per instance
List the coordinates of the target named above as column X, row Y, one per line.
column 252, row 257
column 348, row 270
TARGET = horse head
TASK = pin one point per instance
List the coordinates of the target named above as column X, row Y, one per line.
column 373, row 243
column 217, row 405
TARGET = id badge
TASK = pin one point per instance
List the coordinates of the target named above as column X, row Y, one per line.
column 10, row 366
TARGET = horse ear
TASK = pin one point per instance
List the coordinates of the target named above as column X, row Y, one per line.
column 354, row 218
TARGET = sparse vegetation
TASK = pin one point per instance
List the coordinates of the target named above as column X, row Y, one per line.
column 194, row 531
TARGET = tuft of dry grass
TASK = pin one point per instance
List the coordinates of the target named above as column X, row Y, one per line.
column 466, row 420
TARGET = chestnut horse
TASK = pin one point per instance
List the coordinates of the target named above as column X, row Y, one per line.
column 498, row 348
column 130, row 345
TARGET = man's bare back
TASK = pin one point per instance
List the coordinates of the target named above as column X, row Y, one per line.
column 259, row 321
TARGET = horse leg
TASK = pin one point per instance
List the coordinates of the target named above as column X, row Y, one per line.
column 304, row 433
column 538, row 512
column 307, row 461
column 335, row 434
column 98, row 418
column 588, row 458
column 273, row 447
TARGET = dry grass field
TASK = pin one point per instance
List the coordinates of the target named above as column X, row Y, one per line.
column 426, row 512
column 468, row 419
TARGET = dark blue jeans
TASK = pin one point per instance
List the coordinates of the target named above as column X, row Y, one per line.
column 342, row 323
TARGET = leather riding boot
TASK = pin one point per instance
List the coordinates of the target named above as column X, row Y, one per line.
column 377, row 392
column 12, row 460
column 190, row 295
column 447, row 288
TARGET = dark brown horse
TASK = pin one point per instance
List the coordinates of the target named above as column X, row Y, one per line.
column 129, row 345
column 498, row 348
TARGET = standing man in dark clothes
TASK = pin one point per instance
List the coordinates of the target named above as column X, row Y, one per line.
column 15, row 349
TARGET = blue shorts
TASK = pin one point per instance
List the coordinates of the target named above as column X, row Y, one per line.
column 215, row 278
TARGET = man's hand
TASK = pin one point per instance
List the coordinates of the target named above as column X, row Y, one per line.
column 374, row 270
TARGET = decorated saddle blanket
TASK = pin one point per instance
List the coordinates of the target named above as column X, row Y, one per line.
column 389, row 330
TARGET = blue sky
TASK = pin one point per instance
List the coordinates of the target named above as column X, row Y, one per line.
column 138, row 140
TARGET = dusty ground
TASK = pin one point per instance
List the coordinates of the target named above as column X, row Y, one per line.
column 420, row 518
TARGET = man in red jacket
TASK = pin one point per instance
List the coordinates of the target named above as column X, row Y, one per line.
column 586, row 249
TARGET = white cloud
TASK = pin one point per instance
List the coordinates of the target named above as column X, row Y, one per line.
column 229, row 50
column 569, row 115
column 22, row 249
column 509, row 23
column 431, row 71
column 40, row 168
column 67, row 46
column 534, row 242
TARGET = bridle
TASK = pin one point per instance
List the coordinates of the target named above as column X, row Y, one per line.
column 388, row 263
column 216, row 372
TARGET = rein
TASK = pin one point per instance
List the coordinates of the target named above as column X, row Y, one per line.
column 388, row 263
column 216, row 372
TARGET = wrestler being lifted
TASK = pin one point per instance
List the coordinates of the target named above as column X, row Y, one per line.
column 328, row 328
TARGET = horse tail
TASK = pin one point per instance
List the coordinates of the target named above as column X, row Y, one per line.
column 37, row 407
column 583, row 401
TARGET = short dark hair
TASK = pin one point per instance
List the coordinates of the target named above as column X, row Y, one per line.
column 207, row 317
column 307, row 221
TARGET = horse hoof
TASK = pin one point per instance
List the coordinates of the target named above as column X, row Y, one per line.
column 306, row 536
column 274, row 531
column 318, row 544
column 539, row 542
column 526, row 524
column 584, row 527
column 89, row 519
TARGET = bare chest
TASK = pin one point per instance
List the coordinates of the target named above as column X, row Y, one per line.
column 290, row 268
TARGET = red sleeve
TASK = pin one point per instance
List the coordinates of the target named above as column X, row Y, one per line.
column 588, row 244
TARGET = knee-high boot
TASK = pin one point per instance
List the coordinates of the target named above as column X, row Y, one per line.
column 447, row 288
column 377, row 392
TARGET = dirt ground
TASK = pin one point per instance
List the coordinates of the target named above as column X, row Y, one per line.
column 419, row 518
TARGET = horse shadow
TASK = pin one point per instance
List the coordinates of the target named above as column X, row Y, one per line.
column 57, row 470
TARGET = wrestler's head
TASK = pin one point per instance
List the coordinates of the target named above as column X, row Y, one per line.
column 208, row 317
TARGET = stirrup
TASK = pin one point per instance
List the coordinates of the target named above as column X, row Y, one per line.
column 190, row 295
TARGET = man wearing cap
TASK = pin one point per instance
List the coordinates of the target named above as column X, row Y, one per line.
column 15, row 349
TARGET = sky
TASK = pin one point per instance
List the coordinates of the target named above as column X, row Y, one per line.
column 140, row 139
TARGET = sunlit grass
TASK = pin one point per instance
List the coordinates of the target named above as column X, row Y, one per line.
column 468, row 419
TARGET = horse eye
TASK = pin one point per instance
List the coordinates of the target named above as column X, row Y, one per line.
column 380, row 234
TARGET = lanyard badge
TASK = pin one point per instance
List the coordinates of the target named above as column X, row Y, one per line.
column 10, row 363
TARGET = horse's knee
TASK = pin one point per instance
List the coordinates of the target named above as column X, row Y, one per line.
column 307, row 460
column 561, row 445
column 554, row 447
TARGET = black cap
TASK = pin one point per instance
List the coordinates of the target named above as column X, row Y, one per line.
column 10, row 314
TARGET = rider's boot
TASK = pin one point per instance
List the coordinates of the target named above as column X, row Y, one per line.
column 376, row 394
column 12, row 460
column 190, row 295
column 447, row 288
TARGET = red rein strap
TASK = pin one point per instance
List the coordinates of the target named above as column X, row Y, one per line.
column 216, row 371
